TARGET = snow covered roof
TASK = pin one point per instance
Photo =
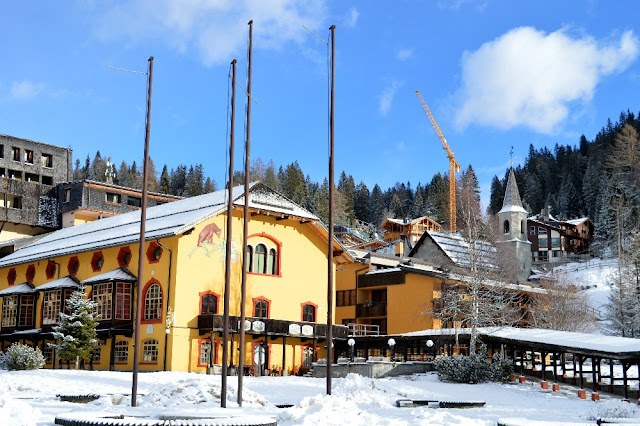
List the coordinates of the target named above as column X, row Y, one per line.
column 456, row 248
column 383, row 271
column 164, row 220
column 119, row 274
column 410, row 221
column 512, row 201
column 571, row 341
column 576, row 222
column 69, row 281
column 24, row 288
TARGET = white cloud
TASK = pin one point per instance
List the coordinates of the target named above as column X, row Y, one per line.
column 387, row 95
column 352, row 18
column 216, row 29
column 25, row 89
column 529, row 78
column 404, row 54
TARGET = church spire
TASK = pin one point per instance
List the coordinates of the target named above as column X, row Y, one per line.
column 512, row 201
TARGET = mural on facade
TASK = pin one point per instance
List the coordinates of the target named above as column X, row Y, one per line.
column 205, row 241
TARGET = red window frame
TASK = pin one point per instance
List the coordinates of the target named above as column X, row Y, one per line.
column 30, row 275
column 71, row 266
column 261, row 299
column 278, row 263
column 149, row 283
column 50, row 270
column 214, row 351
column 97, row 261
column 151, row 250
column 315, row 311
column 208, row 293
column 121, row 256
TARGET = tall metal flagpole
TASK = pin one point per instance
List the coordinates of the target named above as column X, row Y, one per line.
column 243, row 290
column 330, row 253
column 227, row 268
column 141, row 257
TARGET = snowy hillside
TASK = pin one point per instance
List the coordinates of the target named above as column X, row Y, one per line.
column 593, row 277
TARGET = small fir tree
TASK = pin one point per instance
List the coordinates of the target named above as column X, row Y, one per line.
column 76, row 334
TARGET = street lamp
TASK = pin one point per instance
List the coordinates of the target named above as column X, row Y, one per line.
column 392, row 344
column 351, row 344
column 430, row 345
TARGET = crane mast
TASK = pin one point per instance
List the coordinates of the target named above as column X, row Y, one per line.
column 454, row 167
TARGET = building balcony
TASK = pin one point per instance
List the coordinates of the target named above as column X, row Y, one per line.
column 364, row 310
column 270, row 327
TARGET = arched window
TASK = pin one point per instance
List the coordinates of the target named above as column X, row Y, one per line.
column 249, row 258
column 261, row 308
column 308, row 313
column 506, row 226
column 209, row 304
column 260, row 261
column 272, row 262
column 153, row 303
column 150, row 350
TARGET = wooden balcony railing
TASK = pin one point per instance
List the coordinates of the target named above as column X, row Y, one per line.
column 270, row 327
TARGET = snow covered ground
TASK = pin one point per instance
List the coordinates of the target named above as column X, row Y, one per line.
column 29, row 398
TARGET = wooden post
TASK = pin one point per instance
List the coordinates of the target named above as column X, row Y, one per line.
column 555, row 366
column 611, row 380
column 593, row 373
column 284, row 354
column 580, row 365
column 543, row 358
column 625, row 380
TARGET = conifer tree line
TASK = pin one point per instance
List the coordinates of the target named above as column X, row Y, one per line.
column 181, row 181
column 599, row 179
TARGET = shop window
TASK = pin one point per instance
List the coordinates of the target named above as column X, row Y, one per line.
column 47, row 180
column 47, row 160
column 123, row 301
column 154, row 252
column 208, row 303
column 73, row 266
column 31, row 273
column 97, row 261
column 112, row 197
column 134, row 201
column 102, row 295
column 124, row 256
column 153, row 302
column 121, row 352
column 261, row 308
column 47, row 353
column 26, row 311
column 51, row 307
column 309, row 312
column 259, row 263
column 96, row 355
column 50, row 270
column 205, row 353
column 11, row 276
column 150, row 350
column 15, row 153
column 28, row 156
column 9, row 311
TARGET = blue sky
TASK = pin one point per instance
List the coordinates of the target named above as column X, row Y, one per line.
column 495, row 74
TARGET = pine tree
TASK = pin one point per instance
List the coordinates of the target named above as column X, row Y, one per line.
column 86, row 170
column 152, row 178
column 178, row 180
column 76, row 333
column 361, row 203
column 209, row 186
column 77, row 172
column 376, row 206
column 165, row 183
column 270, row 176
column 123, row 176
column 98, row 167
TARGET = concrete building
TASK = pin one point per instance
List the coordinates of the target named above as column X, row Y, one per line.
column 29, row 171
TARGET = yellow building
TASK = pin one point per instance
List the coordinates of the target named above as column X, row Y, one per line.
column 183, row 284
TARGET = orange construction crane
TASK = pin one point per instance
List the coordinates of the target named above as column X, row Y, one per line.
column 454, row 167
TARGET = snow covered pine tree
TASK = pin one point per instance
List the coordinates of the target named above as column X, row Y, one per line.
column 76, row 333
